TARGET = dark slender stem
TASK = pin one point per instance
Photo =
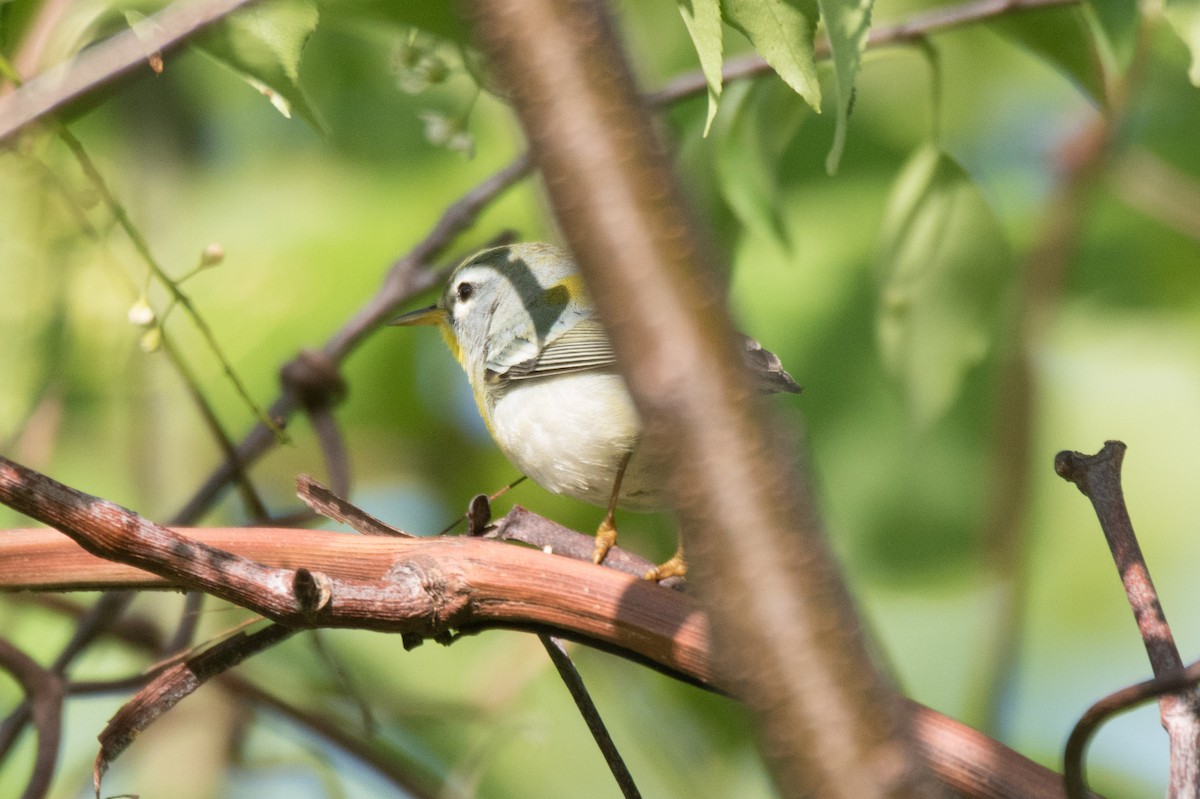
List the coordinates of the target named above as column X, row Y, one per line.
column 255, row 508
column 591, row 716
column 1098, row 477
column 44, row 692
column 141, row 635
column 91, row 626
column 174, row 684
column 330, row 505
column 1074, row 766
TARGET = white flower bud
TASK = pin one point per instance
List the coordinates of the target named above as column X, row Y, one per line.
column 140, row 313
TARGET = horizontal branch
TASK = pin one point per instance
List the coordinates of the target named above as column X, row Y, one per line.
column 421, row 588
column 509, row 587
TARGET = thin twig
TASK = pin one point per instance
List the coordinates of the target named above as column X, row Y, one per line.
column 93, row 624
column 107, row 60
column 313, row 378
column 1074, row 767
column 591, row 716
column 327, row 503
column 44, row 692
column 175, row 684
column 141, row 634
column 142, row 247
column 1098, row 477
column 255, row 508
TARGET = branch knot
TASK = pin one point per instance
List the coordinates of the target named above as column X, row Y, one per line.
column 313, row 378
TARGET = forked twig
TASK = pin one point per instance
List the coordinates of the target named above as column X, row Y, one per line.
column 1098, row 477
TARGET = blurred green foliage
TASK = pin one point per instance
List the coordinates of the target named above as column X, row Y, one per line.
column 311, row 217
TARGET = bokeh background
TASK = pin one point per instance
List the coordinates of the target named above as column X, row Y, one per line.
column 904, row 436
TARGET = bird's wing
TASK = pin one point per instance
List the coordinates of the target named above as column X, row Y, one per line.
column 579, row 348
column 584, row 346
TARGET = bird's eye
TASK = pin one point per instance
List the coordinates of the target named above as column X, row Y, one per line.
column 464, row 291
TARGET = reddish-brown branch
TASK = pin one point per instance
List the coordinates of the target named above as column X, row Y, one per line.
column 421, row 585
column 972, row 764
column 429, row 588
column 965, row 760
column 172, row 685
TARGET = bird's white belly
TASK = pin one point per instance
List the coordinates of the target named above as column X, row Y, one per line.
column 569, row 434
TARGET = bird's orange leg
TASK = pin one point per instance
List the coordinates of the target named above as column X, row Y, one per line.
column 606, row 535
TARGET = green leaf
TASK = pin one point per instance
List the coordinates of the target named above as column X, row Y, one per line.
column 263, row 43
column 439, row 19
column 847, row 23
column 756, row 122
column 1117, row 23
column 782, row 33
column 1064, row 38
column 1184, row 17
column 703, row 21
column 943, row 270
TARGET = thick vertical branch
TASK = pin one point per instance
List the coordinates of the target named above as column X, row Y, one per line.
column 790, row 639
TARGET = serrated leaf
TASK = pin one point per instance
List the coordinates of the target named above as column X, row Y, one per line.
column 943, row 268
column 756, row 122
column 1184, row 18
column 847, row 23
column 262, row 43
column 1063, row 38
column 702, row 18
column 782, row 33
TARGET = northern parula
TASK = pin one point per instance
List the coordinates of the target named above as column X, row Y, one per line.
column 543, row 373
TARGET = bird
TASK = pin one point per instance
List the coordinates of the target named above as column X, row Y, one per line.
column 519, row 321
